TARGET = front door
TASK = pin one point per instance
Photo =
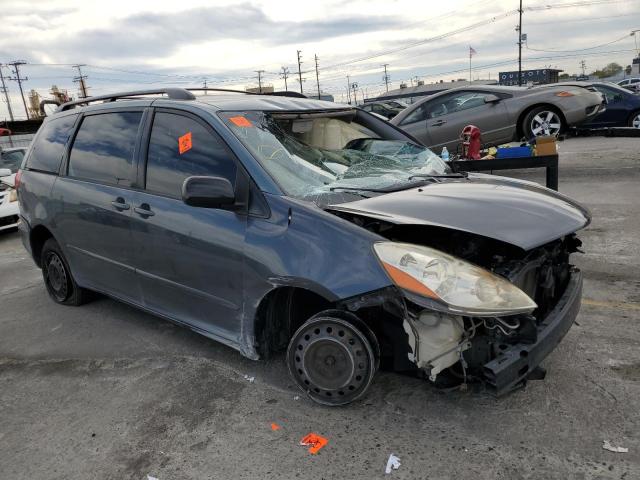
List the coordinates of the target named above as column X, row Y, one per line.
column 95, row 199
column 448, row 114
column 189, row 260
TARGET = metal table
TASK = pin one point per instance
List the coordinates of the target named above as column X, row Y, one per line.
column 549, row 162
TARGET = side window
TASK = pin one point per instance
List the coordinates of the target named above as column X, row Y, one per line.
column 181, row 147
column 417, row 115
column 11, row 160
column 455, row 102
column 103, row 148
column 611, row 95
column 48, row 148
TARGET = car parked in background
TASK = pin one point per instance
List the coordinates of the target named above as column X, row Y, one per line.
column 9, row 209
column 622, row 106
column 273, row 224
column 385, row 109
column 502, row 113
column 11, row 158
column 631, row 84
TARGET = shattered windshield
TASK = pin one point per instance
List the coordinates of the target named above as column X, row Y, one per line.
column 317, row 158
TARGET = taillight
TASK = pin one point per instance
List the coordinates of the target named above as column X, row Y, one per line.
column 16, row 181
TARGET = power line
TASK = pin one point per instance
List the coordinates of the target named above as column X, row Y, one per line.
column 578, row 49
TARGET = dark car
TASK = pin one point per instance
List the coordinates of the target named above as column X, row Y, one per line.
column 382, row 108
column 622, row 110
column 271, row 224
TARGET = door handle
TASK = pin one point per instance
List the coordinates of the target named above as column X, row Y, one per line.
column 439, row 123
column 120, row 205
column 144, row 210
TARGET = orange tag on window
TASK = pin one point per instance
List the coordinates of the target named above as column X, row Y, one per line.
column 315, row 441
column 241, row 121
column 184, row 143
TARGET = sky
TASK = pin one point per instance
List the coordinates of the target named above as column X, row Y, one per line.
column 128, row 45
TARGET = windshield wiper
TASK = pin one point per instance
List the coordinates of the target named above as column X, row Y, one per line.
column 397, row 188
column 440, row 175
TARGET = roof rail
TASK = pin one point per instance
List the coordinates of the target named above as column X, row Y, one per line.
column 196, row 89
column 172, row 93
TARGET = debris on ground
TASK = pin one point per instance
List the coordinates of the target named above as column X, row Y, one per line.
column 149, row 477
column 275, row 426
column 315, row 441
column 607, row 446
column 248, row 378
column 297, row 397
column 392, row 463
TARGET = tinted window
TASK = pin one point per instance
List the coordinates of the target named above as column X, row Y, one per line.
column 418, row 114
column 612, row 95
column 103, row 148
column 49, row 145
column 11, row 160
column 179, row 148
column 455, row 102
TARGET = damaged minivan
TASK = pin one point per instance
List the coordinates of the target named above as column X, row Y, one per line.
column 277, row 224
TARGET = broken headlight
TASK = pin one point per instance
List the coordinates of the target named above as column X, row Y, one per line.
column 459, row 286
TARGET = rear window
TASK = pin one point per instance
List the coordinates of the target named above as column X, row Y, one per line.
column 103, row 148
column 48, row 148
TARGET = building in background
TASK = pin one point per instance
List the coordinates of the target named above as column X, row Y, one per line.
column 536, row 77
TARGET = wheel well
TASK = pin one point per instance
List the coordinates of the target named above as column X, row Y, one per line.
column 39, row 235
column 520, row 132
column 280, row 314
column 633, row 114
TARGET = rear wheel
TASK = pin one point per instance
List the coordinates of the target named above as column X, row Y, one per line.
column 542, row 121
column 61, row 286
column 332, row 360
column 634, row 120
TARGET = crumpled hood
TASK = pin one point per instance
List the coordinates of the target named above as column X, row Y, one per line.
column 521, row 213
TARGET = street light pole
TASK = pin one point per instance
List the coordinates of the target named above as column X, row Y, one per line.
column 520, row 46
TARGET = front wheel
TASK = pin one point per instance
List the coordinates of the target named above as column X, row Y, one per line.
column 542, row 121
column 331, row 360
column 60, row 284
column 634, row 120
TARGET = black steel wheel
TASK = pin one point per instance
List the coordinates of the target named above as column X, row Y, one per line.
column 58, row 280
column 331, row 360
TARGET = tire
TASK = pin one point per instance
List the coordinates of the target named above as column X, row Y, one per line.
column 61, row 286
column 634, row 120
column 542, row 121
column 331, row 360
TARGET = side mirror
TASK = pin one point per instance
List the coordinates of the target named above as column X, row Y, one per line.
column 491, row 98
column 5, row 172
column 208, row 192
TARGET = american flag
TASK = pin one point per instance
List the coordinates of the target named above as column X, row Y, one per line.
column 472, row 52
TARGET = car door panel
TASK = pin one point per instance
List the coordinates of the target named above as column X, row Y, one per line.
column 95, row 198
column 189, row 260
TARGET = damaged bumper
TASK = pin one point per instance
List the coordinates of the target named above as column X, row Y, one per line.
column 510, row 369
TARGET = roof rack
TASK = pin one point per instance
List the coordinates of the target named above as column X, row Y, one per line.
column 172, row 93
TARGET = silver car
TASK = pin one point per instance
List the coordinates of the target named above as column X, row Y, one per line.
column 502, row 113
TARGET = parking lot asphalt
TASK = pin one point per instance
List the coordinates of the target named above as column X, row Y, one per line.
column 104, row 391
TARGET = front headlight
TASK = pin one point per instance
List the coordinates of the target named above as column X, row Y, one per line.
column 13, row 195
column 461, row 286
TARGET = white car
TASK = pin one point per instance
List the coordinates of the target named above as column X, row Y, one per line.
column 632, row 84
column 9, row 211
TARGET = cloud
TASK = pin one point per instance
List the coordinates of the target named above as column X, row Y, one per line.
column 146, row 35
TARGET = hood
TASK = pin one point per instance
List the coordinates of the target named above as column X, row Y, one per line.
column 523, row 214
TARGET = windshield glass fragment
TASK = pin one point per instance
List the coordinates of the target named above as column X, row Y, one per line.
column 315, row 158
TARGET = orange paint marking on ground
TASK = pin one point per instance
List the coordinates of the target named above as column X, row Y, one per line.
column 315, row 441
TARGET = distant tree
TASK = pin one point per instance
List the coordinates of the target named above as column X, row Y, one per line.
column 627, row 70
column 564, row 76
column 608, row 71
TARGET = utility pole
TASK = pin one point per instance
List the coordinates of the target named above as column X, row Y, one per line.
column 204, row 84
column 300, row 70
column 386, row 77
column 520, row 45
column 634, row 34
column 80, row 79
column 284, row 76
column 6, row 93
column 317, row 77
column 354, row 85
column 349, row 89
column 583, row 65
column 259, row 72
column 16, row 70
